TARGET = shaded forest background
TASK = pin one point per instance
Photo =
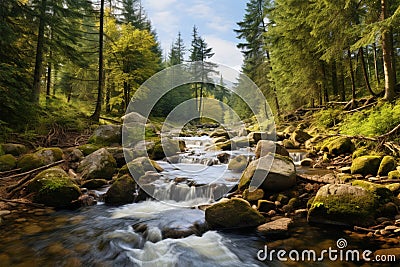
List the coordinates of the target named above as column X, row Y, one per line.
column 63, row 61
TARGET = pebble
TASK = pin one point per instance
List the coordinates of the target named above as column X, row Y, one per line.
column 32, row 229
column 373, row 179
column 4, row 212
column 391, row 228
column 20, row 220
column 303, row 195
column 397, row 222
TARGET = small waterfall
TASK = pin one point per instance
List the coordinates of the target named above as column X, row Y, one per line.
column 297, row 157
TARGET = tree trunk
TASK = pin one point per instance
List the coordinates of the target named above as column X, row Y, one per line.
column 55, row 79
column 96, row 114
column 365, row 74
column 39, row 54
column 342, row 86
column 387, row 51
column 353, row 82
column 323, row 84
column 278, row 110
column 48, row 83
column 334, row 79
column 376, row 64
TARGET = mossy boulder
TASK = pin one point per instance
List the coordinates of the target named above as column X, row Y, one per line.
column 29, row 162
column 382, row 194
column 14, row 149
column 238, row 163
column 94, row 183
column 106, row 135
column 54, row 188
column 99, row 164
column 300, row 136
column 387, row 165
column 225, row 146
column 220, row 139
column 394, row 188
column 394, row 175
column 88, row 149
column 340, row 145
column 342, row 204
column 264, row 147
column 7, row 162
column 289, row 144
column 362, row 151
column 50, row 155
column 270, row 173
column 233, row 213
column 138, row 167
column 265, row 205
column 164, row 148
column 366, row 165
column 122, row 191
column 219, row 133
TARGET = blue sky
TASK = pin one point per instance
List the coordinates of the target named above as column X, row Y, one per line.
column 215, row 20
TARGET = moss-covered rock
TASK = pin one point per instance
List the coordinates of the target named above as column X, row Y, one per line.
column 299, row 136
column 238, row 163
column 99, row 164
column 164, row 148
column 225, row 146
column 270, row 173
column 14, row 149
column 7, row 162
column 264, row 147
column 233, row 213
column 366, row 165
column 54, row 188
column 362, row 151
column 139, row 166
column 219, row 133
column 289, row 144
column 106, row 135
column 387, row 165
column 50, row 155
column 220, row 139
column 94, row 184
column 394, row 175
column 340, row 145
column 122, row 191
column 342, row 204
column 394, row 188
column 29, row 162
column 88, row 149
column 254, row 195
column 382, row 194
column 265, row 205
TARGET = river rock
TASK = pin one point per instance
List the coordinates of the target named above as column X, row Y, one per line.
column 264, row 147
column 7, row 162
column 14, row 149
column 164, row 148
column 277, row 228
column 271, row 172
column 307, row 162
column 340, row 145
column 122, row 191
column 50, row 155
column 299, row 136
column 106, row 135
column 365, row 165
column 219, row 133
column 88, row 149
column 54, row 188
column 233, row 213
column 254, row 195
column 238, row 163
column 342, row 204
column 394, row 175
column 75, row 155
column 265, row 205
column 29, row 162
column 94, row 183
column 387, row 165
column 381, row 193
column 99, row 164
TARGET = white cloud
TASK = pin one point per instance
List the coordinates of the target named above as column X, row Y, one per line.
column 200, row 10
column 225, row 51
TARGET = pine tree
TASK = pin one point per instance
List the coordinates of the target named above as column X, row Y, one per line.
column 177, row 53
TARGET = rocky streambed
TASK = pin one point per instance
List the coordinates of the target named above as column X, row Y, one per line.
column 114, row 222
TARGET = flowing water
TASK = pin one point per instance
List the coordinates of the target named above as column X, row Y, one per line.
column 132, row 235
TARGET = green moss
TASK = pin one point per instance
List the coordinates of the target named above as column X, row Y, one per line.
column 7, row 162
column 366, row 165
column 121, row 191
column 340, row 145
column 29, row 162
column 310, row 202
column 53, row 187
column 88, row 148
column 380, row 192
column 255, row 195
column 394, row 188
column 94, row 183
column 362, row 151
column 394, row 175
column 344, row 177
column 387, row 165
column 50, row 155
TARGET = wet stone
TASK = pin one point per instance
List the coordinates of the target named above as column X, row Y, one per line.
column 32, row 229
column 4, row 212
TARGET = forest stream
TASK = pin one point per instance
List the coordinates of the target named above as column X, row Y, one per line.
column 132, row 234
